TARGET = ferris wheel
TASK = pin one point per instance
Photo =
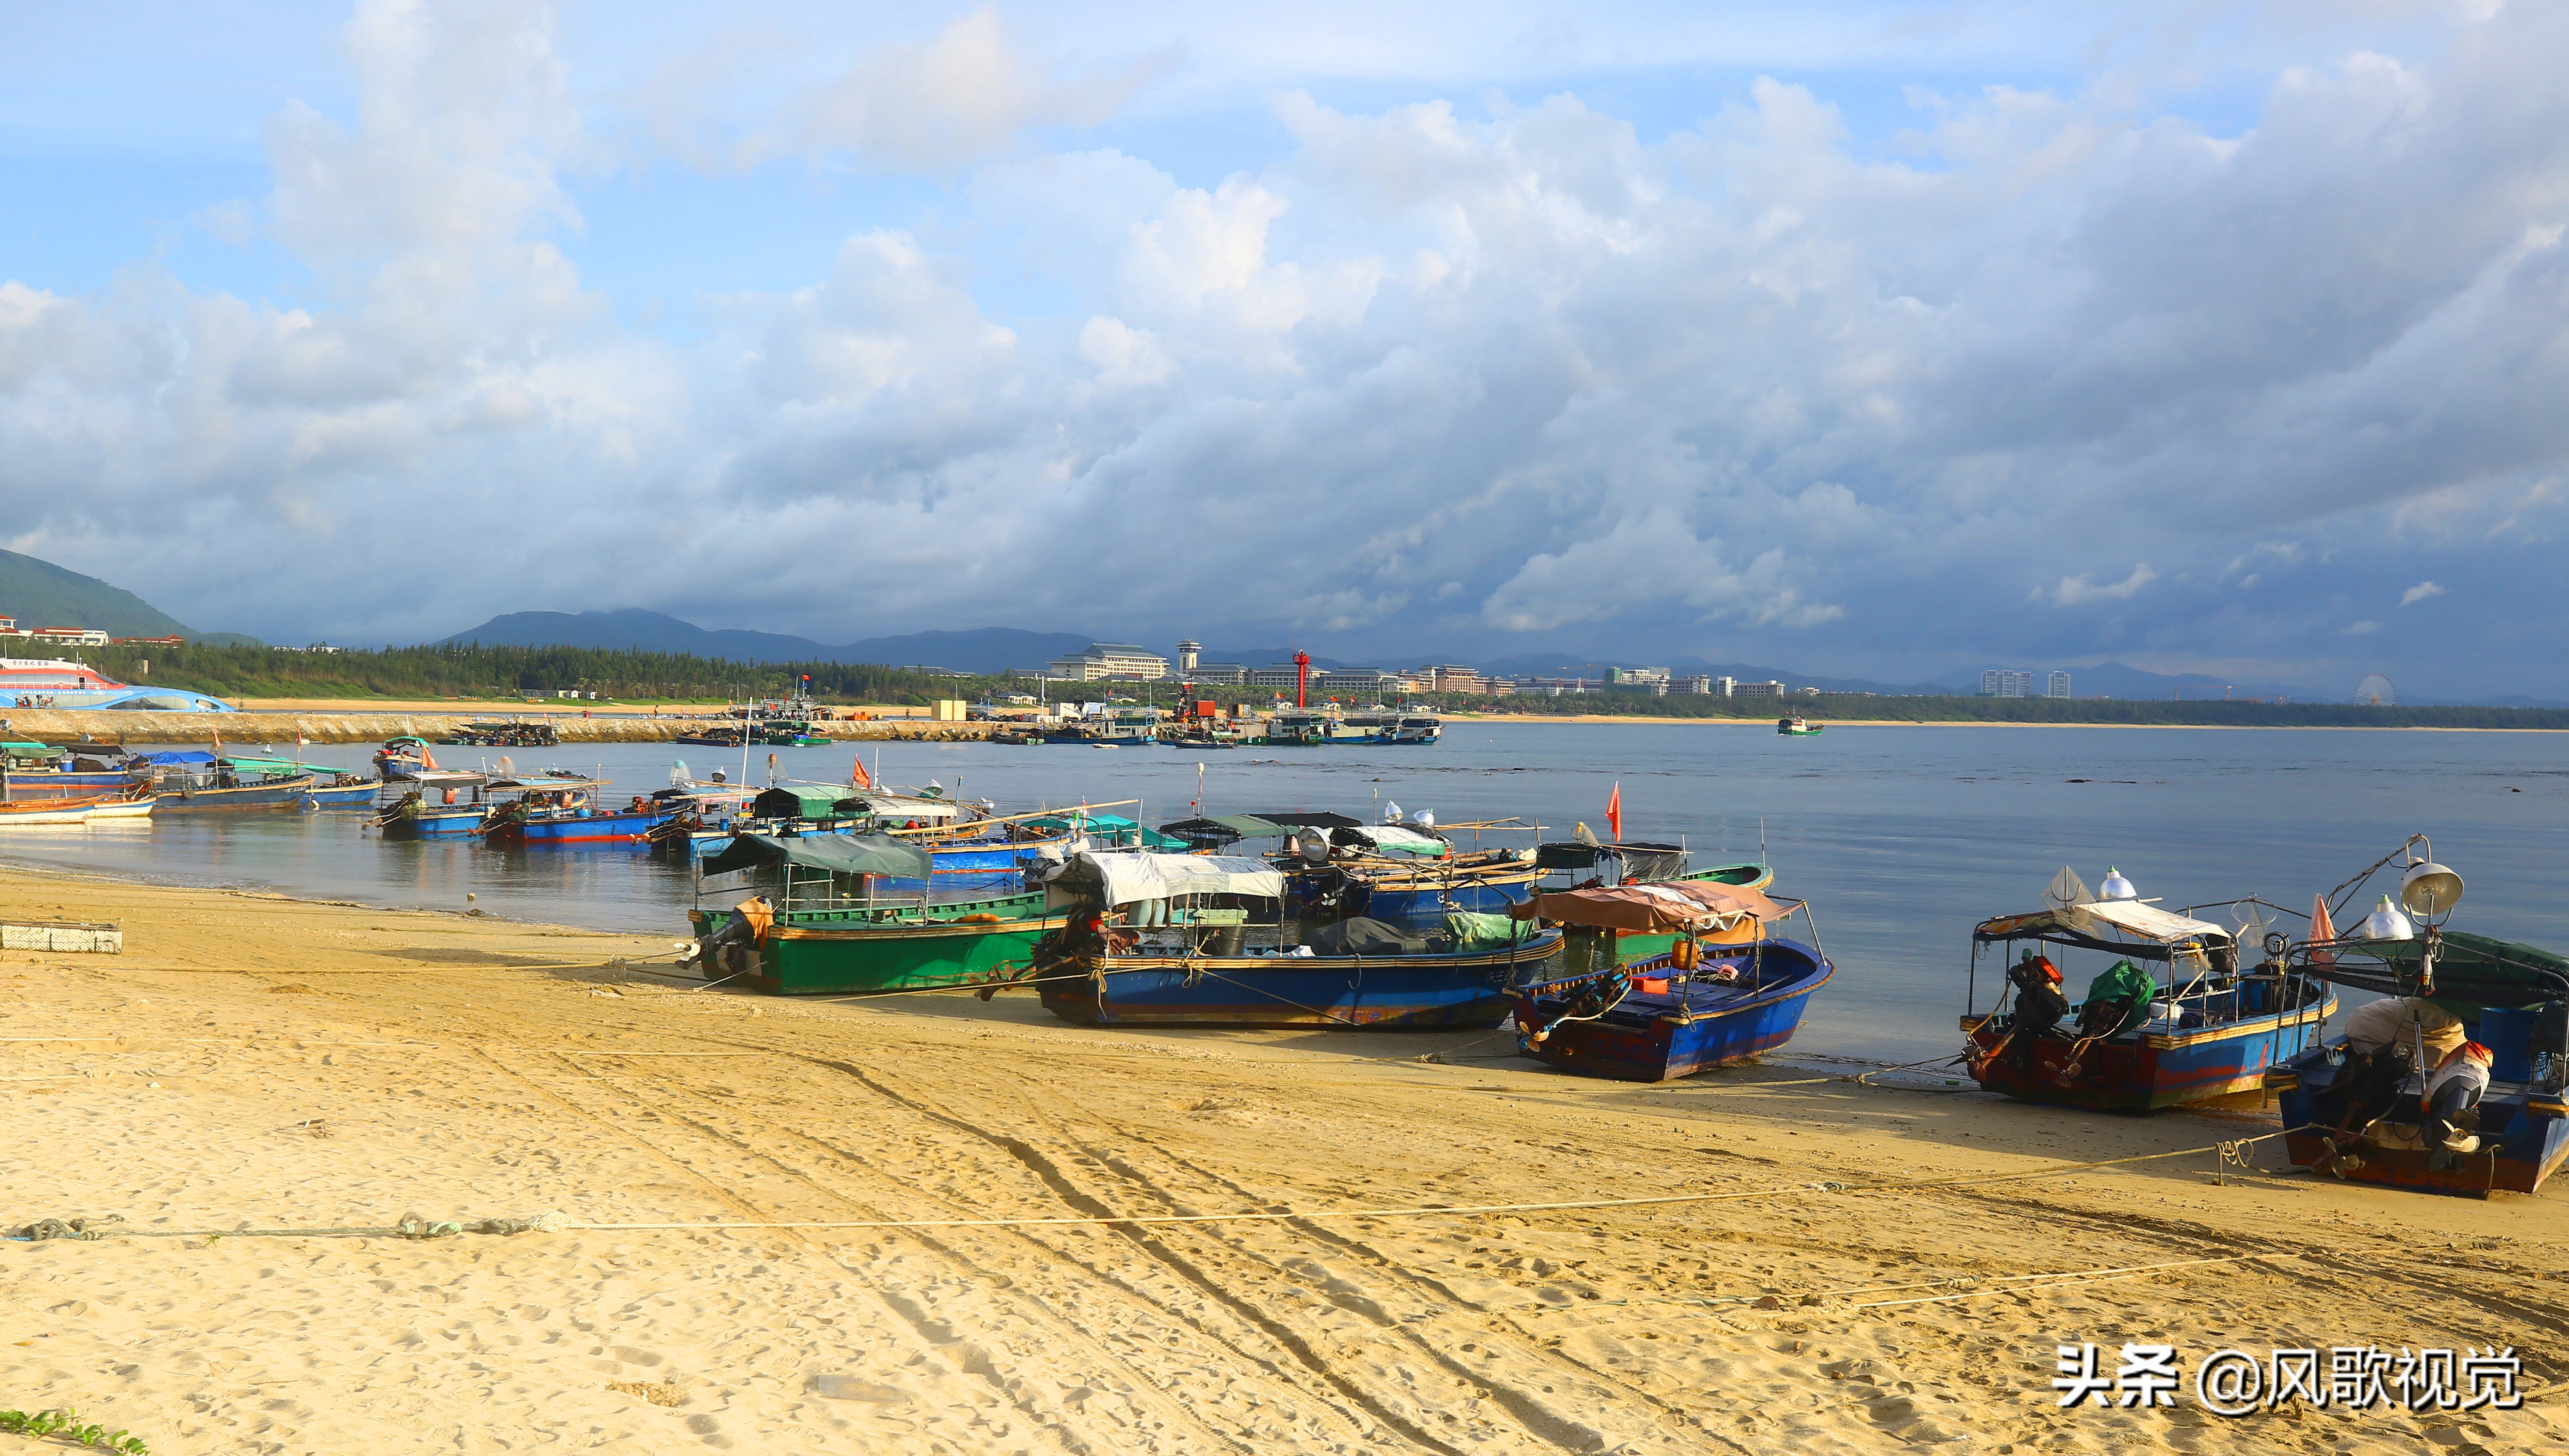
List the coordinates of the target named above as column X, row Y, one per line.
column 2376, row 691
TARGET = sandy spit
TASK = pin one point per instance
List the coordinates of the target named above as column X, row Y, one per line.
column 262, row 1063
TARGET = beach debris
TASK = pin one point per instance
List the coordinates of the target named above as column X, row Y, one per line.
column 658, row 1392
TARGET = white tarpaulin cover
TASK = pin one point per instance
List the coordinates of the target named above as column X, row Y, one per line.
column 1110, row 880
column 2149, row 921
column 1406, row 841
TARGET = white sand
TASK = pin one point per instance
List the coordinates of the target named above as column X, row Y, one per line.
column 449, row 1089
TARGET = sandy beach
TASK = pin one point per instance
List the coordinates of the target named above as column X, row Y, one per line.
column 254, row 1062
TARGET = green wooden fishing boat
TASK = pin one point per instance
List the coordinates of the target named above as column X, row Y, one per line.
column 826, row 933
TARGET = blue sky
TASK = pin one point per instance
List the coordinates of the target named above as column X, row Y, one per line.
column 1864, row 338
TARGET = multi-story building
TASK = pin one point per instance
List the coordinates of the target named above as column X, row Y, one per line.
column 1111, row 662
column 1276, row 675
column 1698, row 684
column 1362, row 682
column 2000, row 682
column 1768, row 689
column 71, row 637
column 1187, row 654
column 1219, row 674
column 1452, row 677
column 2058, row 686
column 1637, row 677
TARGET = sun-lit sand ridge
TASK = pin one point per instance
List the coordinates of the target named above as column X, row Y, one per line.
column 282, row 1063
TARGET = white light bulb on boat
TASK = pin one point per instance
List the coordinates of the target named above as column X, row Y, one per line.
column 2387, row 924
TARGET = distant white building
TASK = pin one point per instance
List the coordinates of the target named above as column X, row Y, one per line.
column 69, row 637
column 1999, row 682
column 1695, row 684
column 1768, row 689
column 1110, row 661
column 1187, row 652
column 2058, row 686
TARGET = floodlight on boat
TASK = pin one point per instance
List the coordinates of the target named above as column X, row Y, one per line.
column 2115, row 887
column 2387, row 924
column 2431, row 890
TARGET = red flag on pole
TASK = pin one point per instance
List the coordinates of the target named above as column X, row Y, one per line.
column 856, row 775
column 1615, row 812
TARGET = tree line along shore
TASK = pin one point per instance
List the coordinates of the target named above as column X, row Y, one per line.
column 484, row 680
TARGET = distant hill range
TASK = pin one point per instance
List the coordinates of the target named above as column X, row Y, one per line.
column 40, row 594
column 983, row 650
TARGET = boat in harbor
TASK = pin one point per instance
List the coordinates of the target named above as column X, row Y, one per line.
column 2380, row 1114
column 559, row 811
column 1797, row 727
column 404, row 757
column 1724, row 992
column 822, row 916
column 508, row 733
column 1160, row 939
column 2170, row 1015
column 204, row 783
column 439, row 804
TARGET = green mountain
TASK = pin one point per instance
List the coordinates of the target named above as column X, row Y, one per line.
column 42, row 595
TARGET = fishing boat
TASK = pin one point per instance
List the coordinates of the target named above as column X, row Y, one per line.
column 1797, row 727
column 1725, row 991
column 403, row 758
column 42, row 771
column 342, row 791
column 2514, row 999
column 2190, row 1027
column 437, row 807
column 718, row 736
column 818, row 918
column 559, row 812
column 46, row 813
column 228, row 784
column 1203, row 940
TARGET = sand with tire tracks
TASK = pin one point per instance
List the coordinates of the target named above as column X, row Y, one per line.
column 262, row 1063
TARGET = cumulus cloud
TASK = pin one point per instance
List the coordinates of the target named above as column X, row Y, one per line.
column 1435, row 372
column 2419, row 592
column 2078, row 590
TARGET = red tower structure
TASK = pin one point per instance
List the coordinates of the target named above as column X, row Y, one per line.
column 1301, row 679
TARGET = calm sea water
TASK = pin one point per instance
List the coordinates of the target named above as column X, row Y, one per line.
column 1901, row 836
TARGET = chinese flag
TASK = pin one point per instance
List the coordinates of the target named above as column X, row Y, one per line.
column 1615, row 812
column 856, row 775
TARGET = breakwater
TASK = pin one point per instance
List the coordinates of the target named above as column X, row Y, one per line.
column 59, row 725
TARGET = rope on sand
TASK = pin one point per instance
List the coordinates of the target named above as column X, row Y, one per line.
column 549, row 1222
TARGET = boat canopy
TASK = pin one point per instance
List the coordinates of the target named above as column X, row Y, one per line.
column 2471, row 972
column 1305, row 819
column 1656, row 908
column 1120, row 878
column 840, row 853
column 2146, row 932
column 1393, row 839
column 903, row 805
column 448, row 779
column 15, row 749
column 804, row 801
column 171, row 758
column 539, row 781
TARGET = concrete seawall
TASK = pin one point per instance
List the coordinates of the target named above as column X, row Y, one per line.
column 53, row 725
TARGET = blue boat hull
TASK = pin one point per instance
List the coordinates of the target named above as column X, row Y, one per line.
column 1654, row 1036
column 349, row 796
column 2524, row 1136
column 436, row 823
column 1354, row 993
column 625, row 826
column 48, row 784
column 2142, row 1071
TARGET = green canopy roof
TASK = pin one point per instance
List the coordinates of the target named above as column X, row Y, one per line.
column 28, row 750
column 840, row 853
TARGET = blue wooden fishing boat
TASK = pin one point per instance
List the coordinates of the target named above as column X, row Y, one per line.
column 442, row 804
column 2171, row 1020
column 1724, row 991
column 556, row 812
column 2514, row 999
column 349, row 792
column 401, row 758
column 1202, row 941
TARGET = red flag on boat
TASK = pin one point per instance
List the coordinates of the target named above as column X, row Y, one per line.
column 427, row 760
column 1615, row 812
column 856, row 775
column 2322, row 928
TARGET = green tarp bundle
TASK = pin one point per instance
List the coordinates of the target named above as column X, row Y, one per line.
column 1475, row 931
column 840, row 853
column 2128, row 985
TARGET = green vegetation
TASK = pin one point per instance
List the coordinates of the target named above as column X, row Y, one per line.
column 40, row 594
column 66, row 1425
